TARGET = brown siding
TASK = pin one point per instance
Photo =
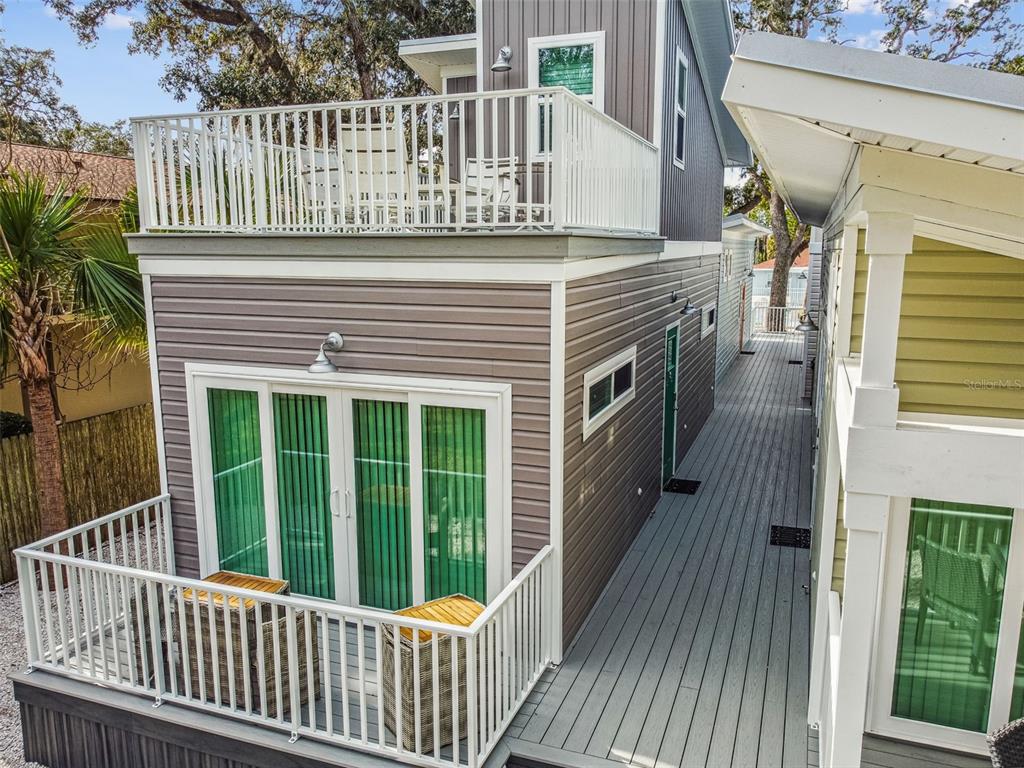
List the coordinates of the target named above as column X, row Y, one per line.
column 691, row 199
column 487, row 332
column 629, row 47
column 604, row 315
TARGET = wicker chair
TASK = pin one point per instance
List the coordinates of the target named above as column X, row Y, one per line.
column 1006, row 745
column 954, row 586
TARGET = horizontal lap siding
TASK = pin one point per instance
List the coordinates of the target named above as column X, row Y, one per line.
column 440, row 330
column 605, row 315
column 730, row 298
column 961, row 335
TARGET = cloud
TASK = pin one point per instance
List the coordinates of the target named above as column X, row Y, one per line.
column 872, row 40
column 855, row 7
column 117, row 21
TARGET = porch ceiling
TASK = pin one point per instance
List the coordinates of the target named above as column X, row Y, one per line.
column 806, row 107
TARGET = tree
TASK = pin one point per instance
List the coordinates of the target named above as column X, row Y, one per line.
column 58, row 266
column 248, row 53
column 31, row 109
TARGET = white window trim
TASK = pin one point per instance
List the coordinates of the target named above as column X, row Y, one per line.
column 678, row 110
column 879, row 705
column 705, row 311
column 533, row 46
column 591, row 425
column 495, row 399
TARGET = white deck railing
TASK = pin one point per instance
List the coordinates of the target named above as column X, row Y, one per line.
column 468, row 162
column 775, row 319
column 101, row 604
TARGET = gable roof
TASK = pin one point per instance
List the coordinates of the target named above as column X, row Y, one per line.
column 803, row 259
column 106, row 178
column 850, row 98
column 714, row 40
column 436, row 58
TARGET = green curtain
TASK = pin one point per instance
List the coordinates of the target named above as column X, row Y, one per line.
column 949, row 622
column 454, row 502
column 304, row 493
column 380, row 432
column 569, row 65
column 237, row 459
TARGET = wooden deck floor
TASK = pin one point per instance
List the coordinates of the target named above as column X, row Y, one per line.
column 697, row 652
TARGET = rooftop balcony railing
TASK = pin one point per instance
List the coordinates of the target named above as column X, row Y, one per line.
column 500, row 160
column 101, row 603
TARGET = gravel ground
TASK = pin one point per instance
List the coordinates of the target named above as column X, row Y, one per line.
column 12, row 659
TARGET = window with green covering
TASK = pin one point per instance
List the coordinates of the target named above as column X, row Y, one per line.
column 302, row 460
column 236, row 456
column 951, row 603
column 573, row 61
column 380, row 438
column 454, row 502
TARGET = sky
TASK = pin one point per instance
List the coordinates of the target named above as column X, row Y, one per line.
column 106, row 83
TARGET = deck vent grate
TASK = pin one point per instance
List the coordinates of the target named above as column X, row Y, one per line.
column 747, row 351
column 790, row 536
column 682, row 486
column 796, row 362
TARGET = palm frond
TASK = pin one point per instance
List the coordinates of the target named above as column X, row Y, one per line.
column 106, row 284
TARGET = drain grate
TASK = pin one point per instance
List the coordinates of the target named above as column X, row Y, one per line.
column 682, row 486
column 790, row 536
column 746, row 351
column 796, row 362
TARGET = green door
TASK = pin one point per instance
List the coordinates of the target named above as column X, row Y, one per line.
column 668, row 447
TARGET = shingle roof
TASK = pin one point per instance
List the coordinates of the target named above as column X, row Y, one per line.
column 106, row 177
column 803, row 260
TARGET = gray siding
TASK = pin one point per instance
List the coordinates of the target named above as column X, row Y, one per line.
column 604, row 315
column 629, row 47
column 813, row 304
column 487, row 332
column 733, row 302
column 462, row 84
column 691, row 199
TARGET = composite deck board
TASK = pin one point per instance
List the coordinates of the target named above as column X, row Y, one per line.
column 697, row 652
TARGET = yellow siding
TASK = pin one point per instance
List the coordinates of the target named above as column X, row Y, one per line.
column 839, row 557
column 961, row 337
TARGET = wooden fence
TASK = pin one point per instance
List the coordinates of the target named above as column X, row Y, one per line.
column 109, row 463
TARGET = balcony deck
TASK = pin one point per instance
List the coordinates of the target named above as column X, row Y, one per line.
column 698, row 652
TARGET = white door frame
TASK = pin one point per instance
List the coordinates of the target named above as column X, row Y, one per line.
column 880, row 721
column 339, row 389
column 675, row 415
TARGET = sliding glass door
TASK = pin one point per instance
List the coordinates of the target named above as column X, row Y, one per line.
column 950, row 659
column 378, row 498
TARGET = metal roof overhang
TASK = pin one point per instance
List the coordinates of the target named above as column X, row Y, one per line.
column 806, row 107
column 435, row 58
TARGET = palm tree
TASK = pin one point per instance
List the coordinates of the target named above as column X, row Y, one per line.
column 59, row 265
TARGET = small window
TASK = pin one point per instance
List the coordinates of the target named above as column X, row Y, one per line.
column 727, row 266
column 708, row 318
column 607, row 388
column 679, row 135
column 574, row 61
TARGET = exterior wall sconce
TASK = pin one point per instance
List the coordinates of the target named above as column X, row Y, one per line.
column 688, row 309
column 333, row 343
column 750, row 272
column 454, row 114
column 806, row 323
column 504, row 61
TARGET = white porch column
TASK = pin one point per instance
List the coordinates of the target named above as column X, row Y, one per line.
column 866, row 516
column 889, row 238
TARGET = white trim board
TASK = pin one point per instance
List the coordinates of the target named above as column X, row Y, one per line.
column 154, row 377
column 556, row 448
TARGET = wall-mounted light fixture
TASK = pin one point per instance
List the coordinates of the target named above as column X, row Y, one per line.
column 750, row 272
column 806, row 323
column 454, row 114
column 504, row 61
column 688, row 309
column 333, row 343
column 802, row 276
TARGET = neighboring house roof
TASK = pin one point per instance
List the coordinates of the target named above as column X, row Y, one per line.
column 435, row 58
column 738, row 224
column 801, row 261
column 106, row 177
column 851, row 97
column 714, row 41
